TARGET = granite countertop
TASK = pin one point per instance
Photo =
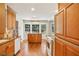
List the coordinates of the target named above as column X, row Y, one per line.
column 51, row 37
column 5, row 40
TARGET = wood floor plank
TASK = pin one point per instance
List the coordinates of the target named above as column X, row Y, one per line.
column 33, row 49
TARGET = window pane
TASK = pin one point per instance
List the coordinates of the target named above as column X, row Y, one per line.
column 27, row 27
column 43, row 28
column 52, row 27
column 35, row 28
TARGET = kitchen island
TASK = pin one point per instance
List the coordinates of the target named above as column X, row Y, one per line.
column 34, row 37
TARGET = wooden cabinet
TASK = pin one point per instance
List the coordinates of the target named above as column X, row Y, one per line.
column 7, row 19
column 59, row 22
column 34, row 38
column 2, row 19
column 2, row 50
column 65, row 48
column 59, row 47
column 14, row 21
column 71, row 49
column 11, row 18
column 7, row 49
column 10, row 48
column 72, row 21
column 67, row 24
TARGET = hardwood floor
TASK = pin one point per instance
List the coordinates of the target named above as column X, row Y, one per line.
column 36, row 49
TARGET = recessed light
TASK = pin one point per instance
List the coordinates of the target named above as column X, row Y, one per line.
column 33, row 16
column 33, row 9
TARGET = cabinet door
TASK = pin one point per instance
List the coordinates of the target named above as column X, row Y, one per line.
column 14, row 20
column 71, row 49
column 72, row 23
column 3, row 50
column 30, row 38
column 59, row 47
column 2, row 19
column 59, row 23
column 39, row 38
column 9, row 18
column 10, row 48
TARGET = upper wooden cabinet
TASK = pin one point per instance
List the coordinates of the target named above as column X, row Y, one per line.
column 59, row 23
column 62, row 5
column 2, row 18
column 7, row 19
column 11, row 18
column 14, row 21
column 72, row 21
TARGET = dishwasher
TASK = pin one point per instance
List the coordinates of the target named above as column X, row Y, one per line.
column 17, row 45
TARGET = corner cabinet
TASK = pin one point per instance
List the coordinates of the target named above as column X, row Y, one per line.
column 67, row 30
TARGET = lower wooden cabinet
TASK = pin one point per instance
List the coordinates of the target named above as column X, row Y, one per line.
column 7, row 49
column 10, row 48
column 71, row 49
column 59, row 47
column 65, row 48
column 2, row 50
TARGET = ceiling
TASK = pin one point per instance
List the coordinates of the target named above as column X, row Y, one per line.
column 43, row 11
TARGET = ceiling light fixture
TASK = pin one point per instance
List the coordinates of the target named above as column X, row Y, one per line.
column 33, row 9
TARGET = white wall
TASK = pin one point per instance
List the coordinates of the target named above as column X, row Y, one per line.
column 20, row 29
